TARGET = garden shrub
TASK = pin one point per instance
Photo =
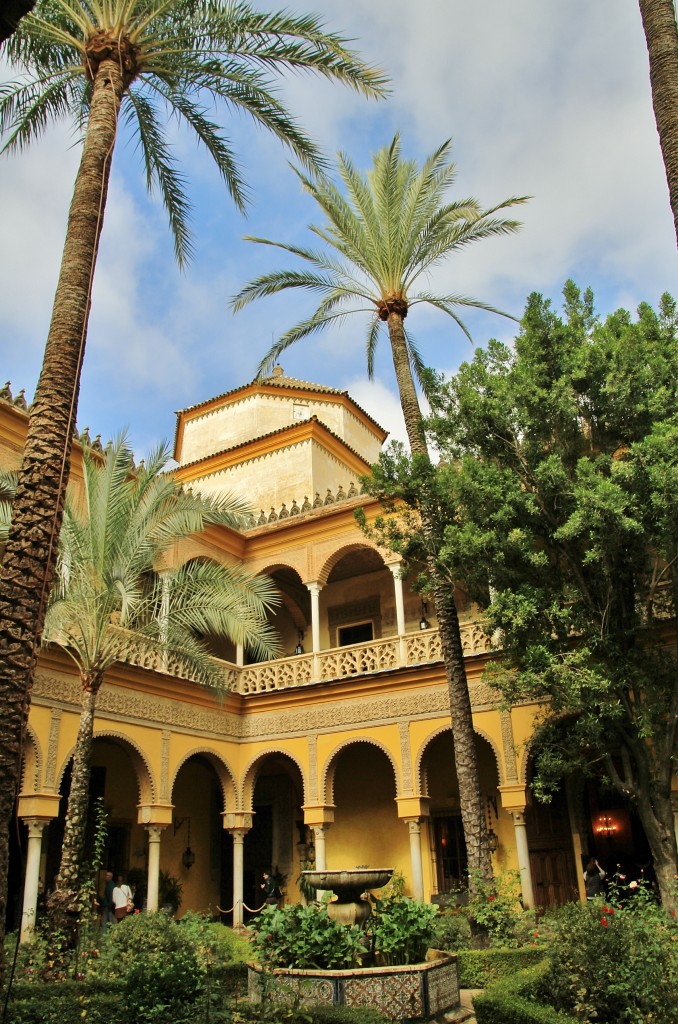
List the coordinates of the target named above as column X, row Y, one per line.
column 495, row 909
column 615, row 961
column 511, row 1000
column 304, row 937
column 452, row 931
column 67, row 1002
column 479, row 968
column 155, row 962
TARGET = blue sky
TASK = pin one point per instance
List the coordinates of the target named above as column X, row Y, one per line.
column 546, row 99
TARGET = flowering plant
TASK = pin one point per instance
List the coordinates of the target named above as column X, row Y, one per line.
column 615, row 961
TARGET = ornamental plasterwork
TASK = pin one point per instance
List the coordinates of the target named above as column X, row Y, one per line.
column 52, row 746
column 338, row 716
column 164, row 765
column 128, row 705
column 32, row 762
column 508, row 745
column 313, row 768
column 405, row 758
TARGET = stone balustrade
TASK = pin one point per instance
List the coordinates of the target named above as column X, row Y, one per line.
column 422, row 647
column 388, row 654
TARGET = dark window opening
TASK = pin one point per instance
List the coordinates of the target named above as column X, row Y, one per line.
column 360, row 633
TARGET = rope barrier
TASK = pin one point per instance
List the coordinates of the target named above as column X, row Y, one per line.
column 250, row 910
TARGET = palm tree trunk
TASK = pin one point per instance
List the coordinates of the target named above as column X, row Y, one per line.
column 30, row 552
column 465, row 756
column 63, row 903
column 661, row 35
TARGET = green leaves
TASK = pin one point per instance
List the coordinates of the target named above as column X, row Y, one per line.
column 113, row 603
column 383, row 231
column 305, row 937
column 179, row 57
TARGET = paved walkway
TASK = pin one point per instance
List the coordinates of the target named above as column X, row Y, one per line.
column 464, row 1014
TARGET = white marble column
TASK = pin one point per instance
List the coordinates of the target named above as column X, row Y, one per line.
column 239, row 655
column 32, row 880
column 154, row 836
column 314, row 589
column 319, row 840
column 396, row 572
column 238, row 868
column 414, row 828
column 520, row 830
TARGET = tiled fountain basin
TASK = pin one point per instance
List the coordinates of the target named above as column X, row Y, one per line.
column 414, row 993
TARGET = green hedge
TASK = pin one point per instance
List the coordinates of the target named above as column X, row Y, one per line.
column 67, row 1002
column 97, row 1002
column 508, row 1001
column 478, row 968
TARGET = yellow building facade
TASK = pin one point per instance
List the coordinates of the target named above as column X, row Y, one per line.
column 337, row 754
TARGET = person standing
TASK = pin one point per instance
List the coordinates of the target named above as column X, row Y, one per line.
column 122, row 900
column 269, row 887
column 107, row 905
column 593, row 879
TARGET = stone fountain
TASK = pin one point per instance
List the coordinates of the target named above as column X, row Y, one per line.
column 348, row 886
column 415, row 992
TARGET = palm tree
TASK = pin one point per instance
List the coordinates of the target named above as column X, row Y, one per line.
column 661, row 36
column 100, row 62
column 393, row 227
column 110, row 603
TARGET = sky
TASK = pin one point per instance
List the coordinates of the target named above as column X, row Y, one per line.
column 541, row 98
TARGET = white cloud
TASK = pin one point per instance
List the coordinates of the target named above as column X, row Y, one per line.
column 546, row 99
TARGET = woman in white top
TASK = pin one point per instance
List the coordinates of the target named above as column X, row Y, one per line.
column 122, row 899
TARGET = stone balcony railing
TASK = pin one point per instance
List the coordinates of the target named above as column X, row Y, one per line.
column 388, row 654
column 420, row 648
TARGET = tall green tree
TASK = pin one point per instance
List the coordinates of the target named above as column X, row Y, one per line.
column 139, row 63
column 661, row 36
column 393, row 226
column 560, row 482
column 115, row 600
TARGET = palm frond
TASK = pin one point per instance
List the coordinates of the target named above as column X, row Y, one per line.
column 159, row 167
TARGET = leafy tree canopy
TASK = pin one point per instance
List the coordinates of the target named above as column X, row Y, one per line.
column 558, row 482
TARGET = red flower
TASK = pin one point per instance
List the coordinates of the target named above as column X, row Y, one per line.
column 604, row 922
column 490, row 898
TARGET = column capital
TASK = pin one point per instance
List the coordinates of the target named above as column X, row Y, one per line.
column 318, row 814
column 155, row 832
column 513, row 796
column 155, row 814
column 518, row 817
column 44, row 806
column 315, row 586
column 36, row 826
column 237, row 821
column 412, row 807
column 396, row 568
